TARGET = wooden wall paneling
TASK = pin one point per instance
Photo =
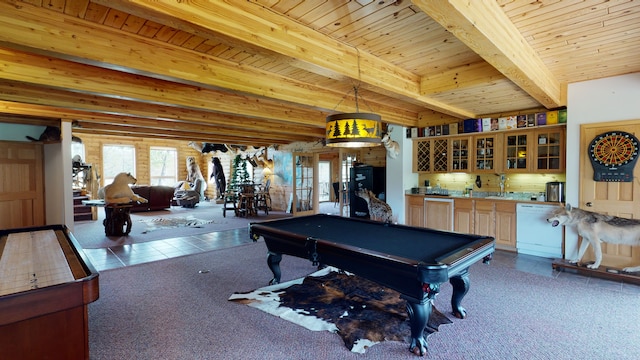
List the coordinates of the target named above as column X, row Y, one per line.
column 93, row 154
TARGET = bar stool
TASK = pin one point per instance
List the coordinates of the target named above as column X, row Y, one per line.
column 263, row 198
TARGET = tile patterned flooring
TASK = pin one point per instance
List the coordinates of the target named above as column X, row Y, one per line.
column 126, row 255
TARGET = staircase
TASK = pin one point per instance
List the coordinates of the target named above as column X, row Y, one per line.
column 81, row 212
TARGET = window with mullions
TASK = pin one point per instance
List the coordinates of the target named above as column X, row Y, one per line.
column 163, row 166
column 117, row 159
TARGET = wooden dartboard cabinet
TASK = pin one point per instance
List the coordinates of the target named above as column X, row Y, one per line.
column 619, row 198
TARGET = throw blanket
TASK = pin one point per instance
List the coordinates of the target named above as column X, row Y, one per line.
column 362, row 312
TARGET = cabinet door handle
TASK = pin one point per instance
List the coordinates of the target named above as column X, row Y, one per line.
column 589, row 204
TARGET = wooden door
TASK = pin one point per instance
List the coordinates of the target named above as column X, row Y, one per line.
column 21, row 185
column 438, row 214
column 484, row 221
column 612, row 198
column 415, row 210
column 506, row 225
column 463, row 215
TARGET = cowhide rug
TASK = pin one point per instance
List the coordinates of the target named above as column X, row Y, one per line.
column 362, row 312
column 173, row 222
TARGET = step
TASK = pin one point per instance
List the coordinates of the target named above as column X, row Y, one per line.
column 82, row 216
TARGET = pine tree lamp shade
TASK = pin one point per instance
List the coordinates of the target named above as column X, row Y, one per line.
column 353, row 130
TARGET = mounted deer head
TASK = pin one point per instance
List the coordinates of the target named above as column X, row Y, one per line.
column 392, row 146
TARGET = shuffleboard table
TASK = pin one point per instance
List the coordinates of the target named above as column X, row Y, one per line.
column 413, row 261
column 46, row 283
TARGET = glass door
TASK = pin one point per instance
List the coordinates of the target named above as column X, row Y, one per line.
column 304, row 194
column 325, row 191
column 549, row 150
column 485, row 154
column 460, row 154
column 517, row 152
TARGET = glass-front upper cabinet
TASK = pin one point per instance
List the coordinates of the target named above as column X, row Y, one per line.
column 486, row 153
column 460, row 154
column 549, row 154
column 517, row 152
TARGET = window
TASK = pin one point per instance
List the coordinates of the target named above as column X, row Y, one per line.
column 77, row 148
column 163, row 166
column 117, row 159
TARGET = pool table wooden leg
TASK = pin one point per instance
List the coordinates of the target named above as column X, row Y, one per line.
column 419, row 313
column 460, row 286
column 273, row 260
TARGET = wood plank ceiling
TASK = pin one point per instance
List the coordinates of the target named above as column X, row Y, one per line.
column 261, row 72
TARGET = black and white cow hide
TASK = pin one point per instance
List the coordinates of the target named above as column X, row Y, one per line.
column 362, row 312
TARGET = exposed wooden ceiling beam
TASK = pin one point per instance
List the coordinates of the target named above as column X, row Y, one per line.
column 110, row 129
column 137, row 113
column 461, row 77
column 198, row 133
column 74, row 39
column 486, row 29
column 259, row 27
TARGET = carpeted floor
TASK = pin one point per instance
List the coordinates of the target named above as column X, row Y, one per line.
column 157, row 225
column 178, row 309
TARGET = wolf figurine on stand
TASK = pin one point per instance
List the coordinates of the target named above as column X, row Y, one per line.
column 596, row 228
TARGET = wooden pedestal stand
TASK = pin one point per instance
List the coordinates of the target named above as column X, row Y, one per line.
column 602, row 272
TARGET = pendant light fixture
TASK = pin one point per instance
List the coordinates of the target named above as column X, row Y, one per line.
column 355, row 129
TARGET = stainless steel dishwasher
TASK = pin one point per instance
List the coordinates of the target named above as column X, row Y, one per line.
column 534, row 235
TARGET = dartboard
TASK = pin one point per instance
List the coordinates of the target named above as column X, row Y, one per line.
column 613, row 155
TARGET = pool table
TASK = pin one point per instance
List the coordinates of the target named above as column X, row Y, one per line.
column 413, row 261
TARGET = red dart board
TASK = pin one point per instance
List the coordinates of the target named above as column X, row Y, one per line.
column 613, row 156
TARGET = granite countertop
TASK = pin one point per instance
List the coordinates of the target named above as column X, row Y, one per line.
column 480, row 195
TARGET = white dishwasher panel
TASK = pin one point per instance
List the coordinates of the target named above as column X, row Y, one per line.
column 534, row 235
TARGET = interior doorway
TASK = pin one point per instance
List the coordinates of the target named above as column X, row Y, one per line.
column 324, row 181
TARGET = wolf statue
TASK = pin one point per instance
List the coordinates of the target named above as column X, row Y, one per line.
column 596, row 228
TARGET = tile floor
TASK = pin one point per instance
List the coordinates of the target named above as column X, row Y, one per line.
column 126, row 255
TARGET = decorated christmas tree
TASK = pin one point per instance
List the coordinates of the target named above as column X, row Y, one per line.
column 239, row 173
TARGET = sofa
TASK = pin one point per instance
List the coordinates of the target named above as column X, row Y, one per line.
column 159, row 197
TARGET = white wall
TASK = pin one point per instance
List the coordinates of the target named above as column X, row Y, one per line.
column 58, row 179
column 610, row 99
column 399, row 174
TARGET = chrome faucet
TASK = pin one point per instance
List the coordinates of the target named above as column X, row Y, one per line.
column 502, row 182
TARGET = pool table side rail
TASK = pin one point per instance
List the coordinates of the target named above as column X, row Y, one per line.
column 294, row 241
column 460, row 260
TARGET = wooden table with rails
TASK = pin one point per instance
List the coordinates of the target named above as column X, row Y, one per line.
column 46, row 284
